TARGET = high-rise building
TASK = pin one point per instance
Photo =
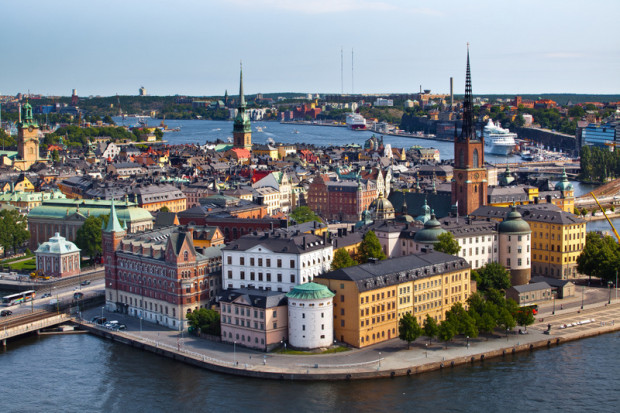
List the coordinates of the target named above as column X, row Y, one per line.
column 469, row 185
column 242, row 129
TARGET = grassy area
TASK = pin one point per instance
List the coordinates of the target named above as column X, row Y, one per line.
column 24, row 265
column 16, row 259
column 338, row 349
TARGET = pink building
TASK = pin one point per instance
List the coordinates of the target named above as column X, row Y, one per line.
column 254, row 318
column 58, row 257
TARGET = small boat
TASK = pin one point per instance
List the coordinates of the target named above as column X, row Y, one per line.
column 295, row 131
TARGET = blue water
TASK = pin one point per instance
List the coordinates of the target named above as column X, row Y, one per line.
column 77, row 373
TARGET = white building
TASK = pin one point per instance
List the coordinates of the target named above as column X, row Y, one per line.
column 310, row 316
column 277, row 260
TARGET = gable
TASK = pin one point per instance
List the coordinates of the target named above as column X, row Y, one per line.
column 259, row 248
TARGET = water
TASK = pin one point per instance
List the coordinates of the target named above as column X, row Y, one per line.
column 201, row 131
column 75, row 373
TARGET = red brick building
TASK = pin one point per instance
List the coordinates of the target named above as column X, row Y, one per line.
column 158, row 275
column 340, row 200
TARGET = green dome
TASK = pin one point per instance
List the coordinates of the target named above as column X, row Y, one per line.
column 430, row 233
column 564, row 185
column 514, row 224
column 382, row 208
column 310, row 291
column 506, row 178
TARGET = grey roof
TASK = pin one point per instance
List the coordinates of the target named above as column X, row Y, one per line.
column 279, row 241
column 257, row 298
column 526, row 288
column 394, row 271
column 57, row 245
column 554, row 282
column 164, row 219
column 506, row 194
column 547, row 213
column 440, row 202
column 466, row 227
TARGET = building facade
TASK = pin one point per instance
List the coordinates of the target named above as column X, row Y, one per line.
column 58, row 257
column 310, row 316
column 340, row 200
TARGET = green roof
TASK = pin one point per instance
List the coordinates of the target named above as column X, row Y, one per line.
column 61, row 208
column 514, row 223
column 310, row 291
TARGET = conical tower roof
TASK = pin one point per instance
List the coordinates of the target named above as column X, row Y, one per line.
column 113, row 224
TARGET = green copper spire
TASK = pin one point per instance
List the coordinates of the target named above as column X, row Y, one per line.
column 28, row 119
column 241, row 97
column 113, row 224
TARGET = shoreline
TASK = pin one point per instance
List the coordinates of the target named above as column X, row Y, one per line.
column 398, row 360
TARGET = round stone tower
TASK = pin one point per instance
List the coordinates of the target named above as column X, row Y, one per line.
column 310, row 316
column 514, row 247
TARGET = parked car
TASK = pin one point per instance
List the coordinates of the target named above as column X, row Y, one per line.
column 122, row 327
column 86, row 282
column 5, row 313
column 46, row 295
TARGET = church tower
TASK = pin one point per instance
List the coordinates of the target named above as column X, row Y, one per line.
column 27, row 139
column 469, row 185
column 112, row 235
column 242, row 129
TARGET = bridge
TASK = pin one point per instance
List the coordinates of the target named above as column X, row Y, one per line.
column 15, row 326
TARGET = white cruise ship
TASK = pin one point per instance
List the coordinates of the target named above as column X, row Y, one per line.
column 355, row 121
column 498, row 141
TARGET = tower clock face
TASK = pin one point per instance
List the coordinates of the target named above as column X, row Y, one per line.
column 30, row 128
column 476, row 176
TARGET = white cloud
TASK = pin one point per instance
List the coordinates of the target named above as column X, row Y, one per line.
column 329, row 6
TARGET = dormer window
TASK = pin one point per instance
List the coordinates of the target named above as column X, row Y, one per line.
column 186, row 255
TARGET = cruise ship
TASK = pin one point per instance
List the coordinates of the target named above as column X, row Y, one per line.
column 498, row 141
column 355, row 121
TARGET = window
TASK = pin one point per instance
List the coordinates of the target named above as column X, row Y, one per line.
column 252, row 261
column 292, row 278
column 241, row 260
column 268, row 262
column 292, row 263
column 229, row 274
column 279, row 263
column 275, row 313
column 260, row 262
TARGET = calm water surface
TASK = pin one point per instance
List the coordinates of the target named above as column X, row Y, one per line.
column 74, row 373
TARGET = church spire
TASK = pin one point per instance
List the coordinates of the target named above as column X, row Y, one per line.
column 468, row 130
column 113, row 224
column 241, row 97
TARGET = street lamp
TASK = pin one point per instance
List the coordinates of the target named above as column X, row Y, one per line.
column 507, row 330
column 467, row 341
column 235, row 353
column 583, row 291
column 609, row 284
column 553, row 296
column 140, row 324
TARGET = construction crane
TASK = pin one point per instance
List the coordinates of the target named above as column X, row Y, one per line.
column 608, row 220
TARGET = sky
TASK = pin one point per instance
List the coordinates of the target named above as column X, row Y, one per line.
column 194, row 47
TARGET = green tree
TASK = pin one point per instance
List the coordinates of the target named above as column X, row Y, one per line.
column 370, row 248
column 13, row 230
column 446, row 331
column 55, row 156
column 506, row 320
column 600, row 257
column 493, row 275
column 88, row 237
column 304, row 214
column 409, row 329
column 447, row 244
column 462, row 321
column 206, row 321
column 525, row 317
column 108, row 119
column 342, row 259
column 431, row 329
column 164, row 209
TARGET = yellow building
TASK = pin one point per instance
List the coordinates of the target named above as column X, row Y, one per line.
column 371, row 298
column 206, row 236
column 558, row 237
column 22, row 184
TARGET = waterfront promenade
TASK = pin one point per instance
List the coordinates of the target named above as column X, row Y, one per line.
column 388, row 359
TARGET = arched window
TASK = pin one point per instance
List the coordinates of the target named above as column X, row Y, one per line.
column 475, row 163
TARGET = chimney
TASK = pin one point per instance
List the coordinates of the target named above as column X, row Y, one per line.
column 339, row 232
column 451, row 92
column 304, row 241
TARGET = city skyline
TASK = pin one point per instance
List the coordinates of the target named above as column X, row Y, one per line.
column 194, row 48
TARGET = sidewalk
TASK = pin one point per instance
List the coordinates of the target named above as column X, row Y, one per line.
column 382, row 360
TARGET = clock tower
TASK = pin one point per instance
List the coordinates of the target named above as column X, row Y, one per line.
column 469, row 185
column 27, row 139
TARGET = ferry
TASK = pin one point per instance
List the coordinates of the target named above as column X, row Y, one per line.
column 498, row 141
column 355, row 121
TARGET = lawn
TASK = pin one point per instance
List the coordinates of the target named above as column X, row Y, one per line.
column 24, row 265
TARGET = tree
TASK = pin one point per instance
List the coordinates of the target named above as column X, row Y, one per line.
column 370, row 248
column 342, row 259
column 446, row 331
column 525, row 317
column 207, row 321
column 600, row 257
column 13, row 229
column 164, row 209
column 55, row 156
column 447, row 244
column 88, row 237
column 409, row 329
column 431, row 329
column 108, row 119
column 493, row 275
column 506, row 320
column 462, row 321
column 304, row 214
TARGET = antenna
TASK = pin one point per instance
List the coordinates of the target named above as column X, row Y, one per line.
column 341, row 71
column 352, row 77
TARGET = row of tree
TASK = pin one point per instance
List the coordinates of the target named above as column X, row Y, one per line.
column 13, row 230
column 485, row 314
column 599, row 164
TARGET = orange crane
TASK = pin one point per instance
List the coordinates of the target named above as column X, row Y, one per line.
column 608, row 220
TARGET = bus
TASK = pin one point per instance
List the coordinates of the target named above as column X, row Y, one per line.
column 18, row 298
column 533, row 307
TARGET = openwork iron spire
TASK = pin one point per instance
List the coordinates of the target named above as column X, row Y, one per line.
column 468, row 131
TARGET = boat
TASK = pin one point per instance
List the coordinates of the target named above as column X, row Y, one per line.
column 497, row 140
column 526, row 155
column 355, row 121
column 259, row 129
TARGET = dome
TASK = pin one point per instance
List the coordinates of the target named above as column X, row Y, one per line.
column 514, row 224
column 426, row 213
column 430, row 233
column 310, row 291
column 382, row 208
column 564, row 185
column 506, row 178
column 57, row 245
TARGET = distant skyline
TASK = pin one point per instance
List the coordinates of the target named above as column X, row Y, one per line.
column 193, row 47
